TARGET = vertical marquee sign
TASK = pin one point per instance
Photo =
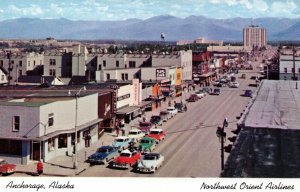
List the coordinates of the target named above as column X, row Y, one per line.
column 114, row 99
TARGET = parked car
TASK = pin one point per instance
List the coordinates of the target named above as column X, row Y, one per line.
column 216, row 91
column 121, row 142
column 200, row 93
column 172, row 111
column 179, row 107
column 147, row 144
column 6, row 168
column 156, row 120
column 165, row 116
column 206, row 89
column 135, row 134
column 150, row 162
column 126, row 159
column 146, row 126
column 233, row 84
column 157, row 134
column 192, row 98
column 103, row 155
column 248, row 93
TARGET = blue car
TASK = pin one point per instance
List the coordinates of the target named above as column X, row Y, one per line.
column 248, row 93
column 103, row 155
column 121, row 142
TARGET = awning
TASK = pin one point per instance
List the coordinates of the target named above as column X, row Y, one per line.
column 127, row 110
column 207, row 74
column 56, row 133
column 146, row 104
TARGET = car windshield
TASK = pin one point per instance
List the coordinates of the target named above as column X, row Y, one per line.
column 101, row 150
column 145, row 141
column 119, row 140
column 3, row 162
column 163, row 113
column 154, row 132
column 133, row 133
column 170, row 109
column 125, row 154
column 150, row 157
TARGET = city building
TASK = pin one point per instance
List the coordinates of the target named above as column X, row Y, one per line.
column 268, row 142
column 200, row 40
column 44, row 126
column 289, row 65
column 3, row 76
column 254, row 37
column 18, row 64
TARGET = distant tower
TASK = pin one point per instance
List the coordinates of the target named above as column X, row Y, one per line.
column 255, row 36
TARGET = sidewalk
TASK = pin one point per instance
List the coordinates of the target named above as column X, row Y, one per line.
column 62, row 166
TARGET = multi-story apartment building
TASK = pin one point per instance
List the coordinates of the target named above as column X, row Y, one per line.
column 255, row 36
column 58, row 64
column 20, row 64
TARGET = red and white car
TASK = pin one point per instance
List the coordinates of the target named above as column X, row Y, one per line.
column 126, row 159
column 6, row 168
column 157, row 134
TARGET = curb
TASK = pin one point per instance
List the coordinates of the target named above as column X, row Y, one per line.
column 48, row 174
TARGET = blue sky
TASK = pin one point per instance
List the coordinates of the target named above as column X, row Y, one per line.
column 143, row 9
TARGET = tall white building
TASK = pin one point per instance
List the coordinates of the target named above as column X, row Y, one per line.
column 254, row 36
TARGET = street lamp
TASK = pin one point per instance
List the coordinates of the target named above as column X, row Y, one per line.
column 75, row 163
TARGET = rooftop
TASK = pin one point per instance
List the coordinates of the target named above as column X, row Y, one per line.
column 277, row 105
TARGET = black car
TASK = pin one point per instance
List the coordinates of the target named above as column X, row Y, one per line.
column 156, row 120
column 179, row 107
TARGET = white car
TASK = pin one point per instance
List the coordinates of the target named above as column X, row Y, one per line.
column 172, row 111
column 234, row 84
column 200, row 93
column 136, row 134
column 150, row 162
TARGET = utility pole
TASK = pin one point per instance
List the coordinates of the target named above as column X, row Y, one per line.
column 222, row 135
column 10, row 67
column 294, row 65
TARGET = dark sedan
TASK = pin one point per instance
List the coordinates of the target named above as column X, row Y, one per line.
column 103, row 155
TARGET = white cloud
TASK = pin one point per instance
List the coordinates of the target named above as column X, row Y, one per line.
column 32, row 10
column 260, row 5
column 282, row 9
column 56, row 8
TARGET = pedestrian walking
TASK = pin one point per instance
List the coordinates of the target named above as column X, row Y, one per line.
column 40, row 168
column 123, row 131
column 117, row 129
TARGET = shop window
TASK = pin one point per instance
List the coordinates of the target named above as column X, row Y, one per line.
column 10, row 147
column 117, row 64
column 104, row 63
column 51, row 144
column 16, row 123
column 107, row 76
column 62, row 141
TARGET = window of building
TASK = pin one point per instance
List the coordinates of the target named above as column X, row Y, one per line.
column 126, row 76
column 123, row 76
column 28, row 63
column 284, row 77
column 125, row 65
column 20, row 63
column 132, row 64
column 51, row 144
column 2, row 77
column 50, row 119
column 104, row 63
column 52, row 72
column 34, row 63
column 285, row 70
column 41, row 62
column 52, row 62
column 117, row 64
column 62, row 141
column 107, row 76
column 293, row 70
column 12, row 62
column 100, row 67
column 11, row 147
column 16, row 123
